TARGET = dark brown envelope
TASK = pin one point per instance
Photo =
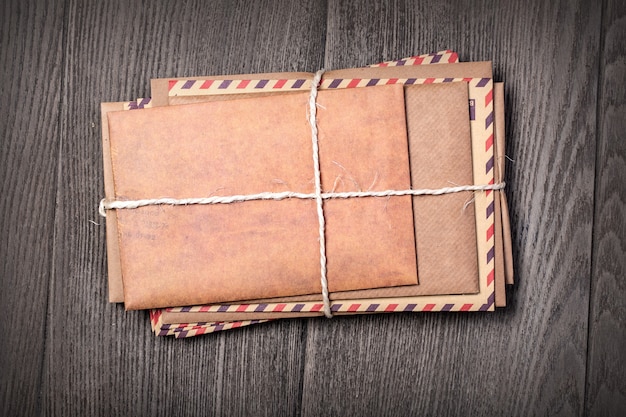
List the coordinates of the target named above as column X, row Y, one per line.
column 206, row 254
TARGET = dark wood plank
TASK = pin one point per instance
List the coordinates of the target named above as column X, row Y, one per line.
column 30, row 75
column 606, row 377
column 530, row 358
column 100, row 359
column 524, row 360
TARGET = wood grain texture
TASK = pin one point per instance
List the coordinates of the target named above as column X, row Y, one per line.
column 606, row 380
column 530, row 358
column 65, row 351
column 101, row 360
column 30, row 75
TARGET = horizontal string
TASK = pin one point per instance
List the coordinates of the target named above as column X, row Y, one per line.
column 133, row 204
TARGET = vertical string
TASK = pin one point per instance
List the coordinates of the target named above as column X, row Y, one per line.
column 318, row 189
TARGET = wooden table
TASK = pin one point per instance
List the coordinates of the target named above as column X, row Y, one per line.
column 558, row 349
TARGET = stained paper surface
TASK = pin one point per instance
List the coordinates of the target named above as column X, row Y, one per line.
column 180, row 255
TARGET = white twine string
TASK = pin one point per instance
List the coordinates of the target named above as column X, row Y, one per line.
column 318, row 189
column 318, row 195
column 133, row 204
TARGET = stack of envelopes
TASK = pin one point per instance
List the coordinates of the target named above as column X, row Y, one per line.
column 399, row 125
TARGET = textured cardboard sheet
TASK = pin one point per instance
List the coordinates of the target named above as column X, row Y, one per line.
column 441, row 156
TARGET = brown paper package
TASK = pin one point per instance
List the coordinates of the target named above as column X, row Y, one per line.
column 468, row 69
